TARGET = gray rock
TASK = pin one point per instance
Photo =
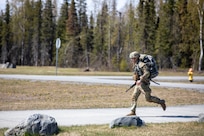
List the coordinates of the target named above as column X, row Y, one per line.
column 4, row 65
column 39, row 124
column 11, row 65
column 127, row 121
column 8, row 65
column 201, row 117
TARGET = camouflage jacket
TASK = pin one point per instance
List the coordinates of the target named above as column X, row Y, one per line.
column 142, row 72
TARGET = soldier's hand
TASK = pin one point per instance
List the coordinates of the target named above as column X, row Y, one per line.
column 138, row 82
column 135, row 77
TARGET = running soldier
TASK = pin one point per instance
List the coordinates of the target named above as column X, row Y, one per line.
column 141, row 76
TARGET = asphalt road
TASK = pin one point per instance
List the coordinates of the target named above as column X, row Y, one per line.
column 105, row 116
column 127, row 80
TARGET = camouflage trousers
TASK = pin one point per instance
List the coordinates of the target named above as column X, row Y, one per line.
column 145, row 89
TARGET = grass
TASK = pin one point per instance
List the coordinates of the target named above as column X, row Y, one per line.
column 167, row 129
column 25, row 95
column 60, row 71
column 163, row 129
column 51, row 70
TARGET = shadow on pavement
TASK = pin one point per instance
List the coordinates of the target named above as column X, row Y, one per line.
column 173, row 116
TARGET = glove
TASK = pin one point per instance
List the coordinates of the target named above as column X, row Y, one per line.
column 135, row 77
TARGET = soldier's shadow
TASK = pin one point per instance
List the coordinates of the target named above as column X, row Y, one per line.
column 173, row 116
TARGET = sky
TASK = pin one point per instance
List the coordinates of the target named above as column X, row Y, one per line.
column 120, row 4
column 90, row 5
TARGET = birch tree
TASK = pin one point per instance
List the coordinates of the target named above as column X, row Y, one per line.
column 200, row 7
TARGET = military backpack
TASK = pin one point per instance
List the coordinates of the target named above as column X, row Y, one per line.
column 151, row 64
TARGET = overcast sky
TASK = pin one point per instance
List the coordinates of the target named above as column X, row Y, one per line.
column 90, row 5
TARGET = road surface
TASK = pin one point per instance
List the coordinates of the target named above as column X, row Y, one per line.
column 127, row 80
column 71, row 117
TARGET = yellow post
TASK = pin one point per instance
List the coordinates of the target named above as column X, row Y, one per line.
column 190, row 75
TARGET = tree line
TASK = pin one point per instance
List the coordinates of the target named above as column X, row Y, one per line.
column 169, row 30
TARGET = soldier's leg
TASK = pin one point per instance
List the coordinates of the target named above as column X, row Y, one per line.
column 136, row 93
column 151, row 98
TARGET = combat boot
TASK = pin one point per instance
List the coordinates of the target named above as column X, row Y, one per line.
column 132, row 113
column 163, row 105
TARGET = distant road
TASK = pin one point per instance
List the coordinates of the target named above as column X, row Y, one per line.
column 170, row 81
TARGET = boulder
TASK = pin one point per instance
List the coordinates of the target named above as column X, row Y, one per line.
column 8, row 65
column 37, row 124
column 201, row 117
column 11, row 65
column 4, row 65
column 127, row 121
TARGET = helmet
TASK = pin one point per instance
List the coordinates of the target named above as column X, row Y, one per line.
column 134, row 54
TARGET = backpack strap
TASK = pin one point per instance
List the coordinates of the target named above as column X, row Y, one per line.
column 142, row 56
column 138, row 68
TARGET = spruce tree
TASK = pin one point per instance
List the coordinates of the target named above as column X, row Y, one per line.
column 37, row 26
column 146, row 26
column 6, row 36
column 83, row 28
column 48, row 34
column 140, row 43
column 149, row 26
column 61, row 23
column 1, row 28
column 101, row 37
column 116, row 35
column 61, row 31
column 90, row 38
column 131, row 26
column 28, row 31
column 183, row 41
column 165, row 34
column 74, row 48
column 82, row 9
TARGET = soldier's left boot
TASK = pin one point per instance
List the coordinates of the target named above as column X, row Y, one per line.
column 132, row 113
column 163, row 105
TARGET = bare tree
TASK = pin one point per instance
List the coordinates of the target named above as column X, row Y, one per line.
column 200, row 7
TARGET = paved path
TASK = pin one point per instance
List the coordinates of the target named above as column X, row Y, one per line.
column 126, row 80
column 105, row 116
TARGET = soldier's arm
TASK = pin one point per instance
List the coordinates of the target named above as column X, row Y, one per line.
column 146, row 74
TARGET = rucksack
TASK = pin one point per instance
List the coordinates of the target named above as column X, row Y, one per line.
column 151, row 63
